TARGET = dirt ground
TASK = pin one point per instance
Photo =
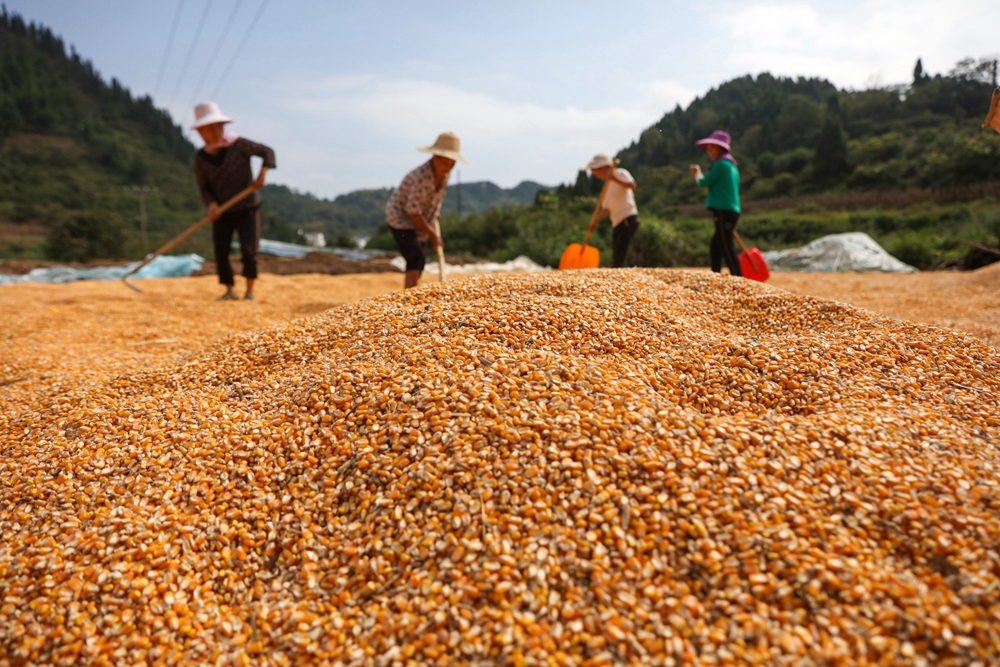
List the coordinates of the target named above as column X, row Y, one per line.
column 53, row 337
column 313, row 262
column 966, row 301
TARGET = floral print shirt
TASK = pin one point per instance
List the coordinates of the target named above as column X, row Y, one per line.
column 416, row 194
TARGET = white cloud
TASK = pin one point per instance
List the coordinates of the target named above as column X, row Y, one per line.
column 855, row 43
column 507, row 141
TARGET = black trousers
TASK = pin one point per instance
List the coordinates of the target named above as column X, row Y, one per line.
column 246, row 224
column 621, row 237
column 723, row 244
column 413, row 250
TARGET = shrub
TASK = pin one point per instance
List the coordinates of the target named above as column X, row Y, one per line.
column 86, row 236
column 917, row 250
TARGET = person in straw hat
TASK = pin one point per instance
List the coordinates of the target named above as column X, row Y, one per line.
column 415, row 206
column 222, row 168
column 619, row 203
column 723, row 183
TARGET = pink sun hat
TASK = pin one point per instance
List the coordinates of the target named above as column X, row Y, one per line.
column 719, row 138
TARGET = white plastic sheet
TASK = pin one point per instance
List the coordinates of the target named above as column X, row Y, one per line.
column 519, row 264
column 164, row 266
column 852, row 251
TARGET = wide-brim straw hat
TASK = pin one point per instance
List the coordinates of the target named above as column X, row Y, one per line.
column 598, row 161
column 208, row 113
column 447, row 145
column 719, row 138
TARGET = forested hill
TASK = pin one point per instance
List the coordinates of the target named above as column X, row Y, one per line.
column 802, row 136
column 45, row 90
column 71, row 143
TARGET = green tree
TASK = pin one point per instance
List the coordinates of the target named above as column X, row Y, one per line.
column 830, row 161
column 83, row 237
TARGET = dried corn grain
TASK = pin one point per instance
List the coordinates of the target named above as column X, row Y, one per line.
column 628, row 467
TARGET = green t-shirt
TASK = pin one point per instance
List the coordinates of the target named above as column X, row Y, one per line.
column 723, row 183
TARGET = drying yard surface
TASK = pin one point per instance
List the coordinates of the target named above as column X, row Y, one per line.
column 633, row 467
column 967, row 301
column 55, row 337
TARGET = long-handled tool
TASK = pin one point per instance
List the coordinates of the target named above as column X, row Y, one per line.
column 439, row 249
column 993, row 117
column 752, row 262
column 583, row 256
column 170, row 245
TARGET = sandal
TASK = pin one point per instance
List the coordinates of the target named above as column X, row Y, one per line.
column 228, row 296
column 248, row 297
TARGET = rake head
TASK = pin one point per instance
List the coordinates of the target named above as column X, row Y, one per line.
column 130, row 285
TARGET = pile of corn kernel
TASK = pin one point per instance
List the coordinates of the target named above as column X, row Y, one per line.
column 583, row 468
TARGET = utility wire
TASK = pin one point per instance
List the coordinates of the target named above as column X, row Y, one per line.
column 218, row 47
column 194, row 44
column 170, row 44
column 239, row 49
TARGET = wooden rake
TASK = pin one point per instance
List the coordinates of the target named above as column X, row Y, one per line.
column 170, row 245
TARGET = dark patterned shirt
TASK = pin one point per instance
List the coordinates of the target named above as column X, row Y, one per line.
column 416, row 194
column 223, row 174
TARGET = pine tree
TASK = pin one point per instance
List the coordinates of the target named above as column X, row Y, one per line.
column 918, row 73
column 830, row 161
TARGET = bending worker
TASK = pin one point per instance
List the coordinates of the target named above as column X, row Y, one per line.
column 222, row 167
column 414, row 209
column 723, row 183
column 619, row 203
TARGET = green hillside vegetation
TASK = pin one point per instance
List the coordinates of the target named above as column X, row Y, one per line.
column 361, row 214
column 70, row 145
column 800, row 141
column 802, row 136
column 342, row 220
column 70, row 142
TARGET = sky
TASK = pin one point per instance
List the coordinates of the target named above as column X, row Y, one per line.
column 345, row 91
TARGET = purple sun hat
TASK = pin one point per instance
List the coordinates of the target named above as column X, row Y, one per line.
column 719, row 138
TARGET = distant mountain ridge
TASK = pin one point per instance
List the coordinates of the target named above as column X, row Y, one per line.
column 360, row 212
column 481, row 196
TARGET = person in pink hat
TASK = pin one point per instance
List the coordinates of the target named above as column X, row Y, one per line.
column 723, row 183
column 222, row 168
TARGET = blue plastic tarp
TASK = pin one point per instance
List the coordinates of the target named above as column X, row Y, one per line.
column 282, row 249
column 164, row 266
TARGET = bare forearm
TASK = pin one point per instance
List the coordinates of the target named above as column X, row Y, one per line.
column 600, row 215
column 421, row 224
column 259, row 182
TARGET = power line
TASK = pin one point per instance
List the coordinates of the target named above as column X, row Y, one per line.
column 239, row 49
column 194, row 43
column 218, row 47
column 170, row 44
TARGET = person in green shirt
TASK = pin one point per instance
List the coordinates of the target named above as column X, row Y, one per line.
column 723, row 183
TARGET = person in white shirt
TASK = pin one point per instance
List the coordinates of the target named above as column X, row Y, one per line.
column 619, row 203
